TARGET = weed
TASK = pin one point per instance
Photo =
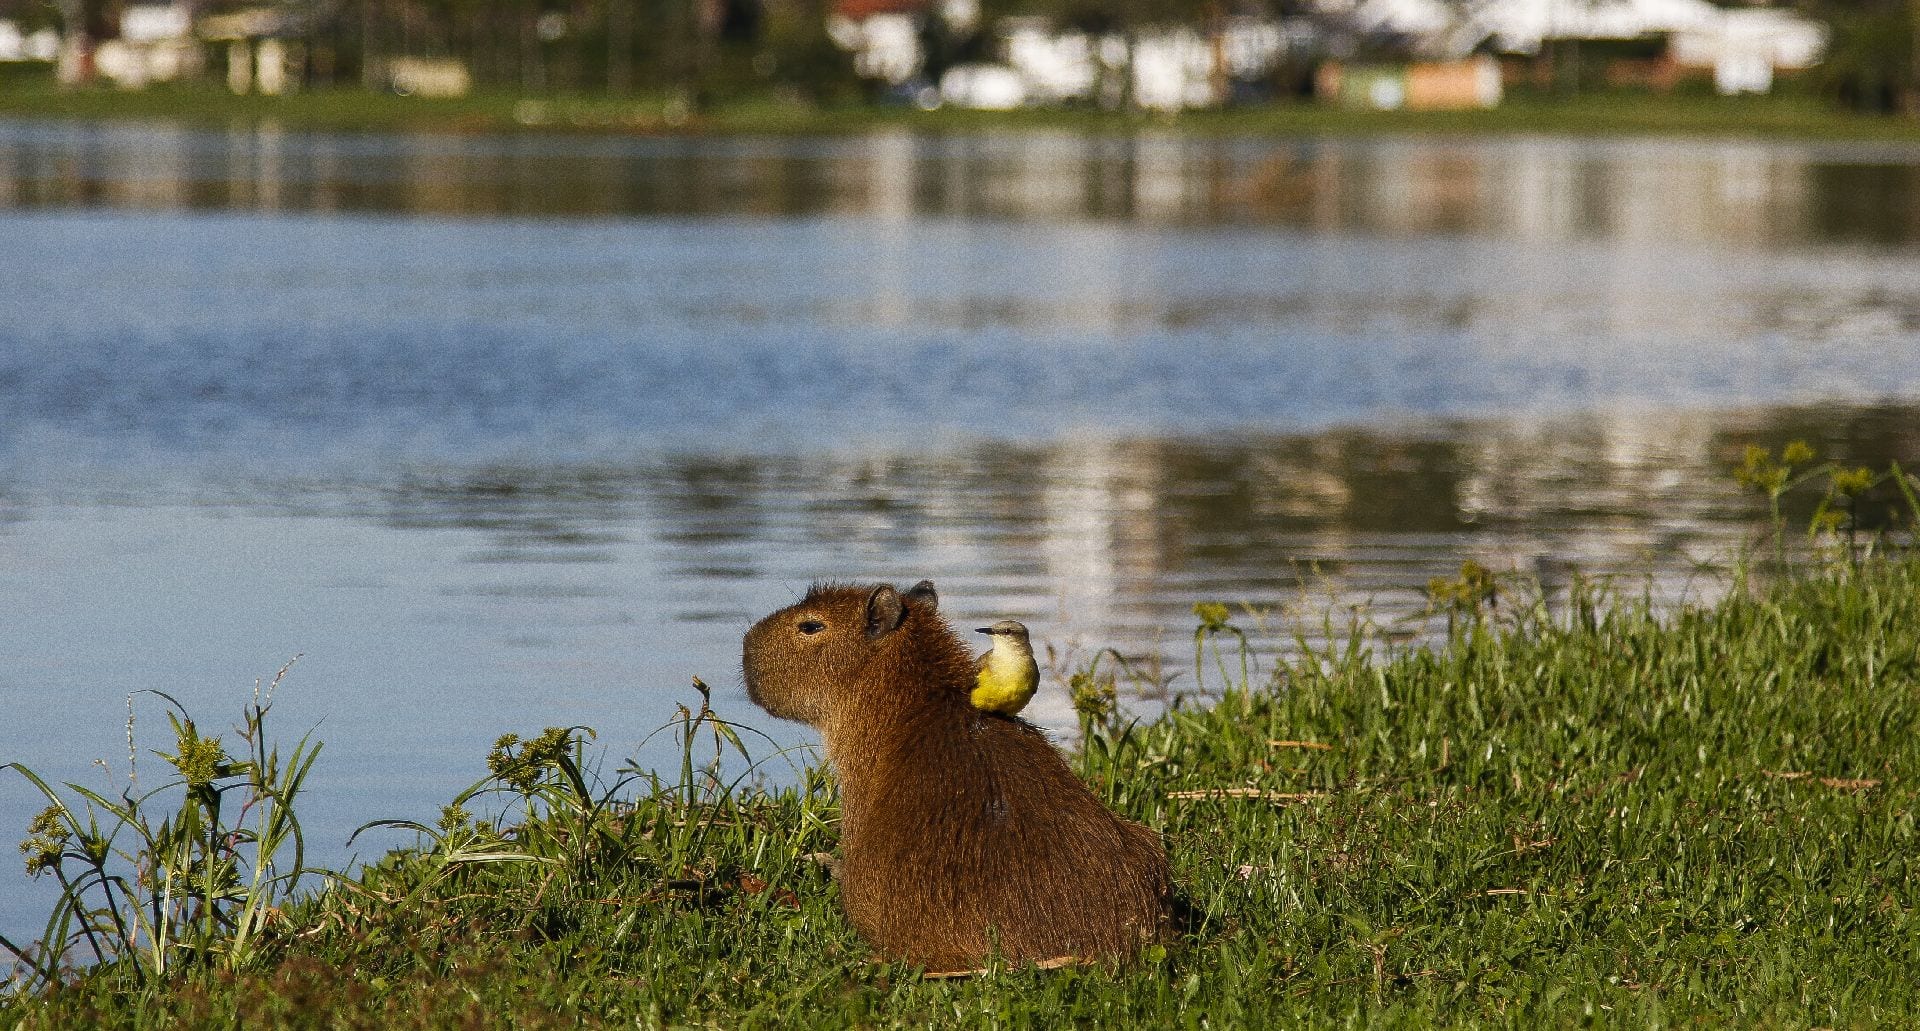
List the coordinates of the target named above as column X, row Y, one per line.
column 194, row 889
column 1216, row 621
column 1468, row 595
column 1837, row 515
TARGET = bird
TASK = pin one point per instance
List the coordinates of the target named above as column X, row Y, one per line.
column 1005, row 675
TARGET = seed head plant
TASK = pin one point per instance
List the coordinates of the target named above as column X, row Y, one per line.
column 1761, row 473
column 1216, row 621
column 187, row 875
column 1837, row 515
column 1470, row 594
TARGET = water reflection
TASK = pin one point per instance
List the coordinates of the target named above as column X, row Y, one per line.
column 1111, row 540
column 1728, row 192
column 281, row 342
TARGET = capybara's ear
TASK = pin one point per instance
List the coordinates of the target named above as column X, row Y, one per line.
column 885, row 610
column 923, row 596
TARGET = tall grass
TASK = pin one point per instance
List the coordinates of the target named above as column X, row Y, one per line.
column 185, row 874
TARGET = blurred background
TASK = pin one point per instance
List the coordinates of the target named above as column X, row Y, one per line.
column 667, row 63
column 506, row 360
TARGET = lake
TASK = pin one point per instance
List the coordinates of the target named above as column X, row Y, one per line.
column 505, row 432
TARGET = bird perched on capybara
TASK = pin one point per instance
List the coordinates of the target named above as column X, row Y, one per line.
column 964, row 833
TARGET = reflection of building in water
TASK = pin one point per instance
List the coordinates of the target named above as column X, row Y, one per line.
column 1151, row 526
column 270, row 143
column 1556, row 191
column 890, row 289
column 1091, row 494
column 1110, row 541
column 1071, row 176
column 330, row 167
column 1541, row 189
column 1160, row 179
column 156, row 173
column 1533, row 189
column 890, row 166
column 1549, row 195
column 1619, row 491
column 1044, row 177
column 1738, row 192
column 434, row 176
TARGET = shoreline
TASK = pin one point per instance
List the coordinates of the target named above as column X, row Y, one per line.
column 353, row 110
column 1660, row 818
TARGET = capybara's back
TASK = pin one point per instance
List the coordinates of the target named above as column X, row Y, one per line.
column 965, row 833
column 985, row 839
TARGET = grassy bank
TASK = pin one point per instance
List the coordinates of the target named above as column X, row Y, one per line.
column 353, row 109
column 1600, row 817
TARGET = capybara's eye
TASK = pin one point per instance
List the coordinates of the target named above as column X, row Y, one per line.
column 811, row 626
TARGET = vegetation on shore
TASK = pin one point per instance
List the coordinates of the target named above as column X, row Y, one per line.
column 1590, row 814
column 1597, row 114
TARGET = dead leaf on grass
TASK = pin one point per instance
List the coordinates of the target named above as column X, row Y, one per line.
column 1260, row 793
column 1836, row 783
column 1055, row 963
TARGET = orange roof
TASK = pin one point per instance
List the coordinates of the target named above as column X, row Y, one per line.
column 858, row 9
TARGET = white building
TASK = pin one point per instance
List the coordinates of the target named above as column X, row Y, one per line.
column 1169, row 68
column 983, row 87
column 1734, row 44
column 883, row 37
column 1056, row 66
column 1175, row 69
column 1747, row 46
column 262, row 54
column 15, row 45
column 156, row 44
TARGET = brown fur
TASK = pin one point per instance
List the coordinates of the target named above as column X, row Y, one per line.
column 964, row 832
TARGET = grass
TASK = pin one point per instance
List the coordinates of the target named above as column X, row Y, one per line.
column 1594, row 814
column 354, row 109
column 1604, row 817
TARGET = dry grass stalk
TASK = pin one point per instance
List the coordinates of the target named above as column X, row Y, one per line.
column 1259, row 793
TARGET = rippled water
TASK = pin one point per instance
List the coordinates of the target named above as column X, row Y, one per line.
column 507, row 432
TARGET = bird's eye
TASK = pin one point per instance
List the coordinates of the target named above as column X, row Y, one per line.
column 811, row 626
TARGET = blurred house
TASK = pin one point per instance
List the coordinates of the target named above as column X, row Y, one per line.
column 156, row 44
column 882, row 35
column 18, row 45
column 1740, row 48
column 984, row 87
column 263, row 48
column 259, row 47
column 429, row 77
column 1746, row 47
column 1160, row 68
column 1035, row 61
column 1059, row 66
column 1419, row 86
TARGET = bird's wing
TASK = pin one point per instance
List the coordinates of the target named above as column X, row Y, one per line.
column 981, row 662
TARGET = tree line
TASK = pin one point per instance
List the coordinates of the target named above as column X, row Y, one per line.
column 712, row 49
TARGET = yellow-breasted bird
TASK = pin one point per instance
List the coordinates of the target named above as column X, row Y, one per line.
column 1005, row 675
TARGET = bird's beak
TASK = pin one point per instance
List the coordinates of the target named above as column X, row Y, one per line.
column 983, row 630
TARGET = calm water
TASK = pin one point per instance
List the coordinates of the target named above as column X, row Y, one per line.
column 507, row 432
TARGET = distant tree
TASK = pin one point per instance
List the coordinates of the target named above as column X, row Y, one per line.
column 795, row 55
column 1873, row 58
column 83, row 23
column 30, row 15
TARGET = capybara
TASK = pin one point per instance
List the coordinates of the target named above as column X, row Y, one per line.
column 964, row 832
